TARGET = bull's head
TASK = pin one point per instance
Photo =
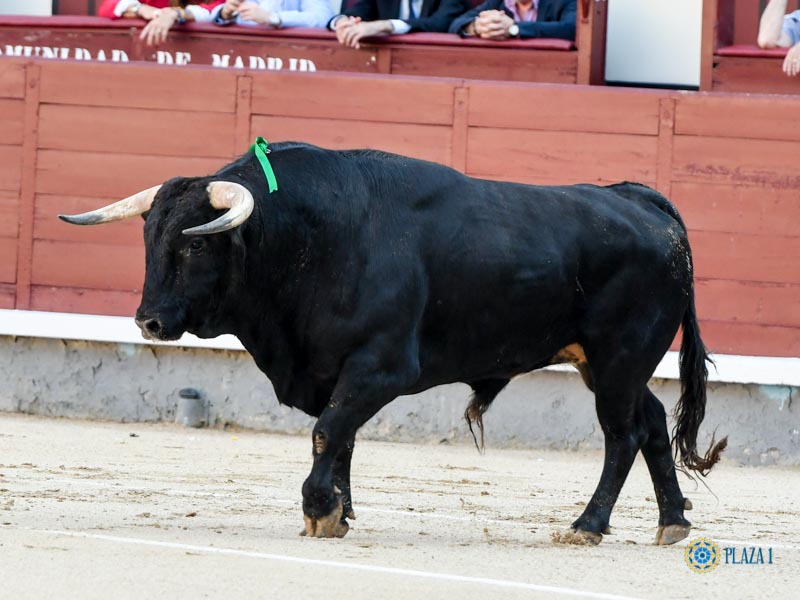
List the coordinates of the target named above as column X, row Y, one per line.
column 188, row 272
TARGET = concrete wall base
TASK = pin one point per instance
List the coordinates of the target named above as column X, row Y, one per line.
column 126, row 382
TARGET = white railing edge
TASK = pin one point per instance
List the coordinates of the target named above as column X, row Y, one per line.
column 760, row 370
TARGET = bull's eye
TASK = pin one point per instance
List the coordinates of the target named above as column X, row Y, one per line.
column 197, row 245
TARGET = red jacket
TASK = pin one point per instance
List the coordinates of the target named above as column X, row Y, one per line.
column 107, row 7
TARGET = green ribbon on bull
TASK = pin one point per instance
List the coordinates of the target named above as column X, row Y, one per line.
column 261, row 149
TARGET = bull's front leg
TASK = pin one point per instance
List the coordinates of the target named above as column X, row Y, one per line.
column 363, row 389
column 341, row 478
column 327, row 500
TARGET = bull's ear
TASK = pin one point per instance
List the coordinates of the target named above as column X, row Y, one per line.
column 145, row 215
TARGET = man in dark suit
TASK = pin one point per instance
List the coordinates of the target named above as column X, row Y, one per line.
column 376, row 17
column 504, row 19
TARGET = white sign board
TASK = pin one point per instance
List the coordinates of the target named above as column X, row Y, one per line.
column 39, row 8
column 654, row 42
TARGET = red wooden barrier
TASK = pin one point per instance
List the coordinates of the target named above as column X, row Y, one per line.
column 297, row 49
column 76, row 135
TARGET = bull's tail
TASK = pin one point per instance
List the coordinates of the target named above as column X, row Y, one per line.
column 484, row 394
column 691, row 407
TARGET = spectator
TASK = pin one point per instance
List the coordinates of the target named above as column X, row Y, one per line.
column 274, row 13
column 504, row 19
column 377, row 17
column 779, row 30
column 161, row 15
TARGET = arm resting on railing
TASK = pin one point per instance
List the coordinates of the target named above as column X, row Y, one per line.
column 770, row 29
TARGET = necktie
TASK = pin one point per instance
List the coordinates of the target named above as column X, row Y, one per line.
column 411, row 13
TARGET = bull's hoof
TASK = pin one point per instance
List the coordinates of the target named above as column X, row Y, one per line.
column 577, row 537
column 325, row 527
column 332, row 525
column 669, row 534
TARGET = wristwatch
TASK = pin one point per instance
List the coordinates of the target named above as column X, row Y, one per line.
column 513, row 30
column 180, row 15
column 275, row 20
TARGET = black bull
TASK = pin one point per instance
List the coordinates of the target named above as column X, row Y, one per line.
column 367, row 275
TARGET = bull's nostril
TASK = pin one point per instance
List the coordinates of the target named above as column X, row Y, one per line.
column 152, row 326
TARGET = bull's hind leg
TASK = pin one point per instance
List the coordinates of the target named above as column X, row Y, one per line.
column 617, row 402
column 672, row 526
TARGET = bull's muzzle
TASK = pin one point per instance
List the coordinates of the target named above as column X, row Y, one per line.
column 152, row 329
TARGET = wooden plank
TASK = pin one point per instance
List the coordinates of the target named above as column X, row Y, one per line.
column 84, row 301
column 745, row 257
column 738, row 116
column 754, row 75
column 460, row 127
column 27, row 185
column 533, row 66
column 7, row 295
column 583, row 40
column 71, row 39
column 428, row 142
column 666, row 130
column 566, row 157
column 137, row 131
column 708, row 43
column 10, row 167
column 112, row 176
column 763, row 163
column 135, row 86
column 12, row 112
column 8, row 260
column 12, row 79
column 562, row 108
column 9, row 214
column 597, row 72
column 228, row 49
column 95, row 266
column 750, row 340
column 738, row 209
column 353, row 97
column 47, row 225
column 591, row 35
column 749, row 302
column 244, row 94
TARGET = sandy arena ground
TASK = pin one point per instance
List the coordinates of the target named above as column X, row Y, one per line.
column 99, row 510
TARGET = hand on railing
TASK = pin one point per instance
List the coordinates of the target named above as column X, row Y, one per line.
column 230, row 9
column 791, row 64
column 155, row 32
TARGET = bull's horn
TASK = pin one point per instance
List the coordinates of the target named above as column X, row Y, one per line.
column 225, row 194
column 129, row 207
